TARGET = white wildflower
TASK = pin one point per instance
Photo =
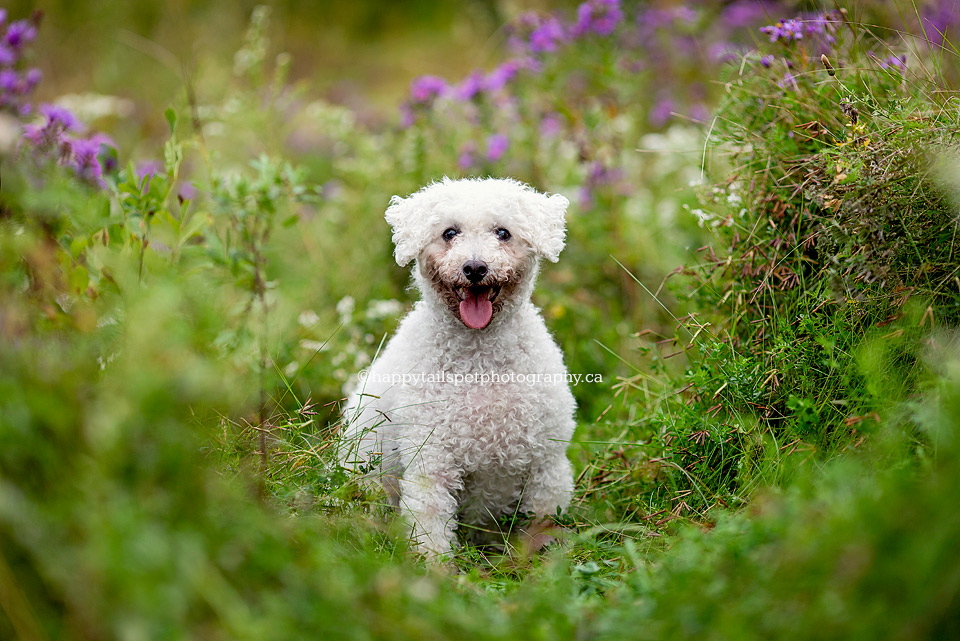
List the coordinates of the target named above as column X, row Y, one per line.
column 308, row 318
column 345, row 308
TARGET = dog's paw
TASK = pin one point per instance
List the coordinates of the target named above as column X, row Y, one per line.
column 537, row 535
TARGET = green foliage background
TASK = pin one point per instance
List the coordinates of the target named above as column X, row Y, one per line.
column 773, row 453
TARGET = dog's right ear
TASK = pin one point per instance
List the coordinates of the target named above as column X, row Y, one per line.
column 405, row 241
column 547, row 213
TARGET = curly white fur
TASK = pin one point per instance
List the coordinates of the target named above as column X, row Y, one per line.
column 447, row 449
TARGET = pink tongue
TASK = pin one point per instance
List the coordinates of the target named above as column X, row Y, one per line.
column 475, row 311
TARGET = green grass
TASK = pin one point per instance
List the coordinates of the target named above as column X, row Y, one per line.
column 773, row 453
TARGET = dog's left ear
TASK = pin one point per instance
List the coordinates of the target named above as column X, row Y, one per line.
column 549, row 226
column 405, row 239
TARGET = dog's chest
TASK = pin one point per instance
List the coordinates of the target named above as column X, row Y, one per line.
column 490, row 417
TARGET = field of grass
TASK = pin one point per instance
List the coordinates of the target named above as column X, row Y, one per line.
column 762, row 264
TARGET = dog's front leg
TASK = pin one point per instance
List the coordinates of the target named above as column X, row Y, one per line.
column 428, row 504
column 547, row 490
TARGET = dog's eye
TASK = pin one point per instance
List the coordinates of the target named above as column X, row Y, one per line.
column 502, row 234
column 449, row 234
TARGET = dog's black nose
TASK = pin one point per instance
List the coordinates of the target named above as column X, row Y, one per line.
column 474, row 270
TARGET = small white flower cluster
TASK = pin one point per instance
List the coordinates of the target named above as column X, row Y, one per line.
column 355, row 342
column 730, row 196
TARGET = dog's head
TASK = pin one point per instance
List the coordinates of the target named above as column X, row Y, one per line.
column 477, row 242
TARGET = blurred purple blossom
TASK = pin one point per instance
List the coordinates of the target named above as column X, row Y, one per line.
column 897, row 63
column 653, row 19
column 407, row 117
column 146, row 170
column 84, row 160
column 819, row 28
column 497, row 79
column 497, row 145
column 19, row 33
column 50, row 138
column 743, row 13
column 50, row 135
column 766, row 61
column 9, row 81
column 660, row 112
column 187, row 191
column 425, row 89
column 15, row 83
column 785, row 30
column 471, row 86
column 83, row 155
column 550, row 124
column 598, row 176
column 941, row 21
column 600, row 17
column 699, row 113
column 721, row 52
column 59, row 116
column 789, row 81
column 466, row 160
column 547, row 36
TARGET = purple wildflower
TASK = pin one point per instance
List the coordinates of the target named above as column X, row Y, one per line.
column 466, row 160
column 85, row 162
column 502, row 75
column 698, row 112
column 766, row 61
column 8, row 57
column 59, row 116
column 550, row 125
column 896, row 63
column 598, row 176
column 471, row 86
column 598, row 16
column 497, row 145
column 146, row 170
column 653, row 19
column 661, row 112
column 33, row 78
column 424, row 89
column 722, row 52
column 789, row 81
column 9, row 81
column 547, row 36
column 530, row 63
column 743, row 13
column 786, row 30
column 407, row 117
column 19, row 33
column 187, row 191
column 940, row 21
column 685, row 14
column 819, row 28
column 50, row 135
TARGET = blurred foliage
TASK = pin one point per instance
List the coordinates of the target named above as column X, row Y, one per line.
column 773, row 453
column 831, row 259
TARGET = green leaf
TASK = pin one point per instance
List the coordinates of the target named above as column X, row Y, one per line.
column 171, row 116
column 77, row 245
column 79, row 278
column 195, row 226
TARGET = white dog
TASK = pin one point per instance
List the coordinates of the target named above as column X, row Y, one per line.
column 466, row 415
